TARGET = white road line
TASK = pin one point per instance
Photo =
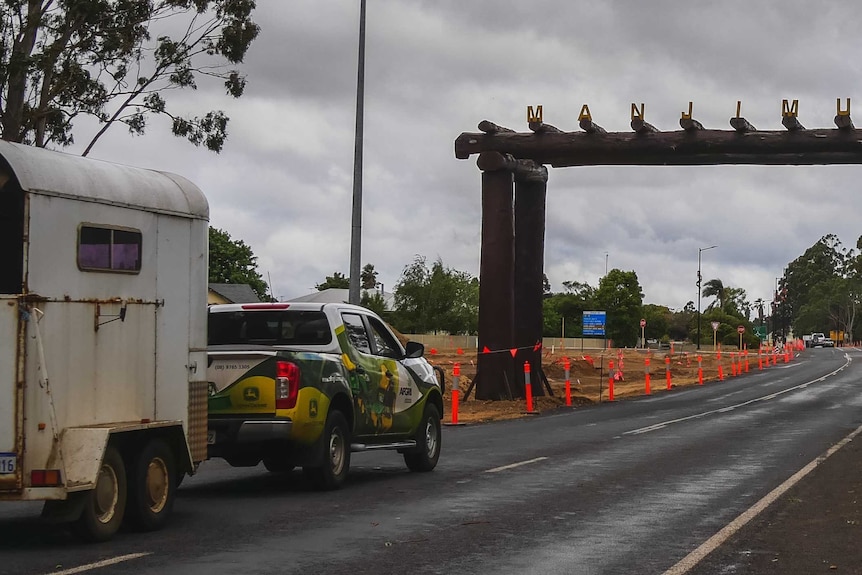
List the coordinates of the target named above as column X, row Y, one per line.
column 513, row 465
column 657, row 426
column 711, row 544
column 98, row 564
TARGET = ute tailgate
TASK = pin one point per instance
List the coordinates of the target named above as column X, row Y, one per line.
column 241, row 383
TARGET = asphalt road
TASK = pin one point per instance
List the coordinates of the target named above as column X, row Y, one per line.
column 630, row 487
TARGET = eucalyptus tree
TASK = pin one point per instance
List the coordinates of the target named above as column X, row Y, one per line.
column 113, row 60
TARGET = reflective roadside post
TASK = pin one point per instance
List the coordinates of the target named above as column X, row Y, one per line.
column 646, row 376
column 528, row 388
column 667, row 370
column 456, row 377
column 611, row 380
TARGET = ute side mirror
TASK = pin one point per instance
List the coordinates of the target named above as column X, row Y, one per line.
column 414, row 349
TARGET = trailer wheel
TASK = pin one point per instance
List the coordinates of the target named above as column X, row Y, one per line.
column 153, row 486
column 336, row 454
column 105, row 505
column 428, row 442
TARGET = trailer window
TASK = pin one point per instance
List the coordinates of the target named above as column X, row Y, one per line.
column 109, row 249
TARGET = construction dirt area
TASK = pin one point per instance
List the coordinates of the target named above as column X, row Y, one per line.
column 589, row 376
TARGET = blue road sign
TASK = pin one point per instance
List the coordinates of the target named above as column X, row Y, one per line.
column 594, row 323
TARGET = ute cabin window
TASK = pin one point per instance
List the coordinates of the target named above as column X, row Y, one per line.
column 109, row 249
column 383, row 340
column 356, row 332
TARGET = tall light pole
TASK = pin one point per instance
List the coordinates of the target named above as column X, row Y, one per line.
column 699, row 279
column 356, row 225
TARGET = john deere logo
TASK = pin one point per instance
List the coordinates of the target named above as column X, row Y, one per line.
column 251, row 394
column 312, row 408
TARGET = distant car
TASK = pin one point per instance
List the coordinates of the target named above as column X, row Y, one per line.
column 826, row 342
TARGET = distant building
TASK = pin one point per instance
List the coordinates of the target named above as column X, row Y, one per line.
column 231, row 293
column 341, row 295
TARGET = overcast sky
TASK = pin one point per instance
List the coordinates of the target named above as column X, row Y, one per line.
column 435, row 68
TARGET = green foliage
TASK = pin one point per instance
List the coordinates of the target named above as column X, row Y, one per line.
column 715, row 288
column 368, row 277
column 435, row 300
column 730, row 299
column 727, row 334
column 620, row 294
column 373, row 301
column 336, row 280
column 658, row 319
column 568, row 306
column 552, row 321
column 98, row 58
column 233, row 262
column 821, row 289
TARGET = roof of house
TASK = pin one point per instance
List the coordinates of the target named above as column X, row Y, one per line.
column 235, row 293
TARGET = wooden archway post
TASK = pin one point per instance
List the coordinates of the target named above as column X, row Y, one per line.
column 510, row 286
column 531, row 183
column 496, row 272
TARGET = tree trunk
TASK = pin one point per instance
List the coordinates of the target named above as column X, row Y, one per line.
column 13, row 115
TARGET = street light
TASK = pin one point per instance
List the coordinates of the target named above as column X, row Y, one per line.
column 356, row 216
column 699, row 278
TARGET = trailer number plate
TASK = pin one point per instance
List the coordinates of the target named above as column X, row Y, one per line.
column 211, row 437
column 7, row 463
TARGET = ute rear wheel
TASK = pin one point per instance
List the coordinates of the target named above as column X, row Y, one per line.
column 428, row 442
column 153, row 483
column 336, row 454
column 105, row 505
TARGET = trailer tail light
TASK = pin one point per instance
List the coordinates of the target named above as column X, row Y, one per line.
column 286, row 384
column 45, row 478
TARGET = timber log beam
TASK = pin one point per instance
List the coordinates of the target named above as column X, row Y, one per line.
column 523, row 170
column 677, row 148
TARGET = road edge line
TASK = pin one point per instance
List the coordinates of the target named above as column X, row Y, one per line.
column 711, row 544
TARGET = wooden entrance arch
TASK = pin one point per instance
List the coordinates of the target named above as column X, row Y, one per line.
column 514, row 183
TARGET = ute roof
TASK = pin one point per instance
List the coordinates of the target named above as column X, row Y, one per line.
column 42, row 171
column 292, row 305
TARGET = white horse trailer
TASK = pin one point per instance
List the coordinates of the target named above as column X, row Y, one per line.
column 103, row 392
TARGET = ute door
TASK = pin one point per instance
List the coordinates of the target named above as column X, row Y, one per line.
column 384, row 390
column 9, row 430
